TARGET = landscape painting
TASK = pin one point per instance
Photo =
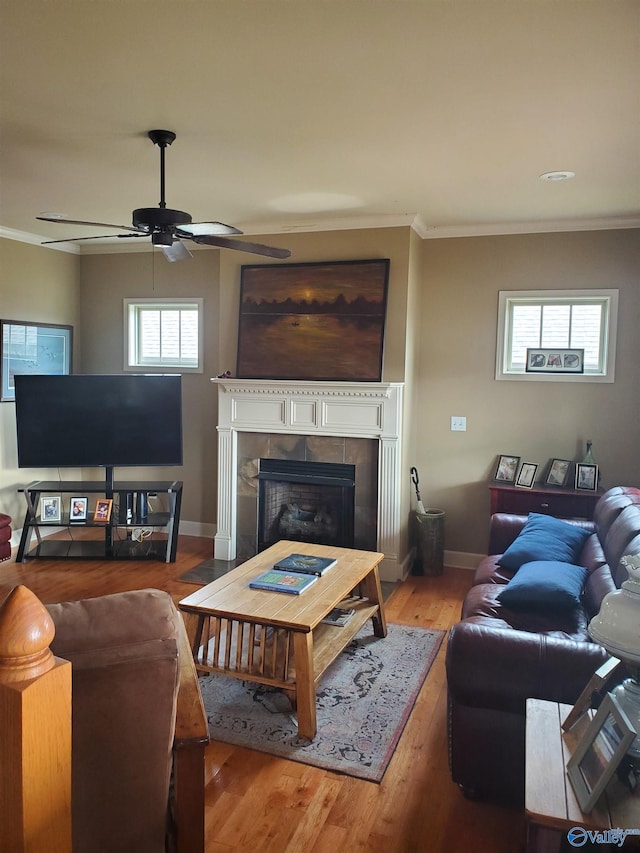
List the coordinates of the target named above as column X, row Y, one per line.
column 321, row 321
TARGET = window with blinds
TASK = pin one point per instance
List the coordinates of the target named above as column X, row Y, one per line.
column 163, row 334
column 532, row 319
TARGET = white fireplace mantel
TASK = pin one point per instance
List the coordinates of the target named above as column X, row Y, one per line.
column 354, row 409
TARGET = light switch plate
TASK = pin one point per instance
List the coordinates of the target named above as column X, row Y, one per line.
column 458, row 423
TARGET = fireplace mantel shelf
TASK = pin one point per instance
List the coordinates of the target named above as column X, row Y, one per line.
column 350, row 409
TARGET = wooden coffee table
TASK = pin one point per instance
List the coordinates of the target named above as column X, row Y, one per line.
column 278, row 639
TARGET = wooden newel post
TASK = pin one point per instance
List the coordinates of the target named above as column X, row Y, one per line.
column 35, row 731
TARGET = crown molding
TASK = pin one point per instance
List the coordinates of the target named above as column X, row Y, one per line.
column 410, row 220
column 36, row 240
column 613, row 223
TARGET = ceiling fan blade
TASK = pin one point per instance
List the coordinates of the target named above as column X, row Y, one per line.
column 176, row 252
column 205, row 229
column 97, row 237
column 91, row 224
column 243, row 246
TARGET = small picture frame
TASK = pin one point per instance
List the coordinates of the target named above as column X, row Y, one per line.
column 78, row 509
column 507, row 468
column 102, row 512
column 527, row 475
column 558, row 473
column 586, row 477
column 599, row 752
column 592, row 692
column 51, row 509
column 554, row 360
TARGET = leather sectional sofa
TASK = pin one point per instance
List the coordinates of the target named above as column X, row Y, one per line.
column 500, row 654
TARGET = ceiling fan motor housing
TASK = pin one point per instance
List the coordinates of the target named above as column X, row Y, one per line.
column 159, row 217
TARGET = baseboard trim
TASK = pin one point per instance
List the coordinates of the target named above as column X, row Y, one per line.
column 462, row 560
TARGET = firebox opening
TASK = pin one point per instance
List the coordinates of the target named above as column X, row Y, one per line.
column 305, row 502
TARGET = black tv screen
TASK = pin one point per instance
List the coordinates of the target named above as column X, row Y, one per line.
column 101, row 420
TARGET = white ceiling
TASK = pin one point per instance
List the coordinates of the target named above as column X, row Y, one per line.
column 314, row 114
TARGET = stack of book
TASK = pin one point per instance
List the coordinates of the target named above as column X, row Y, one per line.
column 293, row 574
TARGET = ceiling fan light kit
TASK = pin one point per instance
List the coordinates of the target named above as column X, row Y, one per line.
column 167, row 227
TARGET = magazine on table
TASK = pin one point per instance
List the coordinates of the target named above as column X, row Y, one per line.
column 278, row 581
column 306, row 563
column 338, row 617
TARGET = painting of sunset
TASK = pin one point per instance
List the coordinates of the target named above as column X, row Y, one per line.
column 313, row 321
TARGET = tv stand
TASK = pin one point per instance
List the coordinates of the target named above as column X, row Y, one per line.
column 157, row 531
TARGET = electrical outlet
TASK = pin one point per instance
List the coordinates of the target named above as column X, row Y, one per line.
column 458, row 424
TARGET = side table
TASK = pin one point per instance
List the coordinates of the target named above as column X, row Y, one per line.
column 563, row 503
column 551, row 806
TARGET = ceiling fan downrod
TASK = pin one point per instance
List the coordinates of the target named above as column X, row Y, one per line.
column 160, row 220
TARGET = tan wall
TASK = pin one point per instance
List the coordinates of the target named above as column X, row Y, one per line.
column 534, row 420
column 41, row 285
column 440, row 338
column 106, row 281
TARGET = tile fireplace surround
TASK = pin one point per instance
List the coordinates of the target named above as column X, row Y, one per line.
column 370, row 410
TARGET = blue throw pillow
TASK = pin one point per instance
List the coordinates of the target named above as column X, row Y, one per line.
column 544, row 537
column 544, row 584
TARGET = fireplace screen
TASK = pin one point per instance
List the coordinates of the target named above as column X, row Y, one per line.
column 305, row 502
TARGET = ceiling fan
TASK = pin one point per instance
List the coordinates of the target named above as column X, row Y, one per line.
column 167, row 227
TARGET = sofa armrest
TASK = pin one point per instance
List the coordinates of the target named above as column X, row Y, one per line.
column 491, row 667
column 503, row 529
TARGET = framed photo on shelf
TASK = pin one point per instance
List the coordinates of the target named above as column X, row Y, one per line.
column 554, row 360
column 527, row 475
column 32, row 348
column 586, row 476
column 51, row 508
column 78, row 509
column 102, row 511
column 599, row 752
column 507, row 468
column 558, row 473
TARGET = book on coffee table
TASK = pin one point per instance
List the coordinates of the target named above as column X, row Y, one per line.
column 278, row 581
column 338, row 617
column 306, row 563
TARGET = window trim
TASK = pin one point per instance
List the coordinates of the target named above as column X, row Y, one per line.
column 167, row 302
column 609, row 296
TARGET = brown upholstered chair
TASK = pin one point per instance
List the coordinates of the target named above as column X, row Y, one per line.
column 138, row 728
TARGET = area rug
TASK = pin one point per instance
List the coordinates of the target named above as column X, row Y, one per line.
column 363, row 703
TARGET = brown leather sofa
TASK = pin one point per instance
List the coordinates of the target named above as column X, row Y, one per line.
column 498, row 657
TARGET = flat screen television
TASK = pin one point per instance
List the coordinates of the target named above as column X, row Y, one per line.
column 80, row 421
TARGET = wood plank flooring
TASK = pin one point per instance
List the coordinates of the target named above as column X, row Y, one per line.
column 256, row 802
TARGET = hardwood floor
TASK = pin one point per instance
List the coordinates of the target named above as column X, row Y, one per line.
column 256, row 802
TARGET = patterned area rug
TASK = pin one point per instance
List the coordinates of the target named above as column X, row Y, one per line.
column 363, row 703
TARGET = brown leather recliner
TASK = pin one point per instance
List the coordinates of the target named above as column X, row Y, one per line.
column 138, row 730
column 498, row 657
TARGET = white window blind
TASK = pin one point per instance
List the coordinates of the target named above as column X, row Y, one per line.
column 531, row 319
column 163, row 334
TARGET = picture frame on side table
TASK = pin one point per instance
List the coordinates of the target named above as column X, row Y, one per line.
column 102, row 512
column 506, row 469
column 586, row 477
column 592, row 693
column 51, row 509
column 32, row 348
column 599, row 752
column 558, row 473
column 78, row 509
column 527, row 475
